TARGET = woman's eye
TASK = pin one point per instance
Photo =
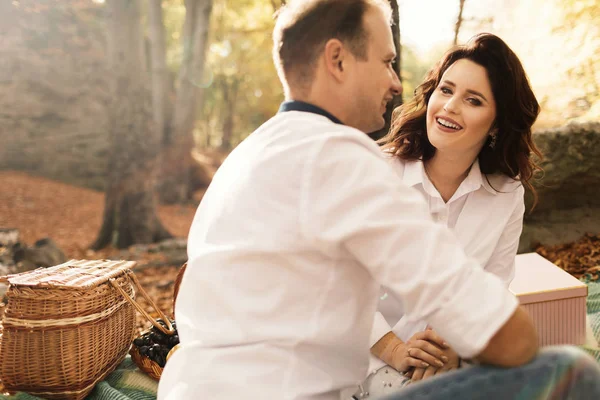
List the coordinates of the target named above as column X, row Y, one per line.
column 475, row 102
column 446, row 90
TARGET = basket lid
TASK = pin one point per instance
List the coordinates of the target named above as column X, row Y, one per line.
column 80, row 274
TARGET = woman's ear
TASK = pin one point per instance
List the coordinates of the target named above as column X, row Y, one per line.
column 493, row 129
column 493, row 136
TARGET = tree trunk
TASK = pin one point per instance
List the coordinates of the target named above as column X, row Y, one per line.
column 230, row 92
column 397, row 100
column 176, row 180
column 459, row 21
column 130, row 208
column 160, row 73
column 195, row 37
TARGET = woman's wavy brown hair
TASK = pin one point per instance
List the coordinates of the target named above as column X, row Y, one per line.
column 516, row 111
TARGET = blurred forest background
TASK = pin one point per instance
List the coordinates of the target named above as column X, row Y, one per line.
column 142, row 100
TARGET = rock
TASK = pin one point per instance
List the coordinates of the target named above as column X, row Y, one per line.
column 9, row 237
column 173, row 244
column 558, row 227
column 44, row 253
column 571, row 167
column 569, row 193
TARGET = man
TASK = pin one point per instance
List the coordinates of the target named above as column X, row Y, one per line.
column 305, row 220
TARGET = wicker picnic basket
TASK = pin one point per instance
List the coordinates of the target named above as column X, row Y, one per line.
column 144, row 363
column 65, row 328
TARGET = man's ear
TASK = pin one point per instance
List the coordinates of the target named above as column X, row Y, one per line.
column 336, row 58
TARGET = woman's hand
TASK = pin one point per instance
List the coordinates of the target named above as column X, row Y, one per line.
column 421, row 373
column 422, row 350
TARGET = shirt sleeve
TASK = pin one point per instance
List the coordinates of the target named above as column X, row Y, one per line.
column 380, row 329
column 502, row 261
column 353, row 205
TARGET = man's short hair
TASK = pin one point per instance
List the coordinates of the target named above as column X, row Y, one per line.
column 303, row 28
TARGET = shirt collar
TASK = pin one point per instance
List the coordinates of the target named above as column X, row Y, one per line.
column 414, row 174
column 295, row 105
column 482, row 178
column 474, row 180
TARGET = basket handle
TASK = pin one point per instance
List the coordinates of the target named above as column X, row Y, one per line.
column 136, row 283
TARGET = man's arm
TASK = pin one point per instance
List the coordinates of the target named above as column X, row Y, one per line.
column 516, row 342
column 354, row 206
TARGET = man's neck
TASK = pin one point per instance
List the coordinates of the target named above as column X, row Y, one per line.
column 321, row 97
column 297, row 105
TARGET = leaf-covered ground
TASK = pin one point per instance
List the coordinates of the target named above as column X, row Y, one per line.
column 71, row 216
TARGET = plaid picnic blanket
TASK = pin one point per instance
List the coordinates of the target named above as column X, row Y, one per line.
column 127, row 382
column 593, row 316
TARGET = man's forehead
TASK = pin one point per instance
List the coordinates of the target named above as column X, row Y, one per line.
column 380, row 32
column 383, row 44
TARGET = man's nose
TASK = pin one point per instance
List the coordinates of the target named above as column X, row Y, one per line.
column 397, row 85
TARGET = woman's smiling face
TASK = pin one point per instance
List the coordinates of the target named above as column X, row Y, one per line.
column 461, row 110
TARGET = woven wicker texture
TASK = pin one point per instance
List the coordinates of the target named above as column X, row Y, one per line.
column 65, row 328
column 144, row 363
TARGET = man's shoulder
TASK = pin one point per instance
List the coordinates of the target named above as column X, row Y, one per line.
column 398, row 164
column 304, row 127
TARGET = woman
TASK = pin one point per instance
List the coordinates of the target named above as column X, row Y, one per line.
column 465, row 143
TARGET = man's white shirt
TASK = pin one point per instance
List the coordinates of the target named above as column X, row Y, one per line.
column 300, row 227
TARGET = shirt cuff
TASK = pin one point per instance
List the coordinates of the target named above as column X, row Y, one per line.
column 380, row 329
column 469, row 325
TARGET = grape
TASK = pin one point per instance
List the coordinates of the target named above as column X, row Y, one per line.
column 156, row 345
column 156, row 337
column 174, row 340
column 143, row 350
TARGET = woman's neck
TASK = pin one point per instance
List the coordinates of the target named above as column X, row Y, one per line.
column 447, row 173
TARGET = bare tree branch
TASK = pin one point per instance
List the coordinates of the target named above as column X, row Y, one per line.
column 459, row 21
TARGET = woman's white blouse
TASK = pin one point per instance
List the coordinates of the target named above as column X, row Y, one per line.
column 487, row 219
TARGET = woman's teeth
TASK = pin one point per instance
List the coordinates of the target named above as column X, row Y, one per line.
column 447, row 124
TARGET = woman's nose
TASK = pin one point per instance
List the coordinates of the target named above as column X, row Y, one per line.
column 450, row 105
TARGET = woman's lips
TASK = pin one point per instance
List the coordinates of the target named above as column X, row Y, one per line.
column 447, row 125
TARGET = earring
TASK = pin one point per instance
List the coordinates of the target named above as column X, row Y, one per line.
column 492, row 140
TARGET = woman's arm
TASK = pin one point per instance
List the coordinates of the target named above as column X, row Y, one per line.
column 502, row 260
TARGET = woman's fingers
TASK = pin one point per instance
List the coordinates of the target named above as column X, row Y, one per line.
column 412, row 362
column 418, row 374
column 431, row 336
column 427, row 352
column 429, row 372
